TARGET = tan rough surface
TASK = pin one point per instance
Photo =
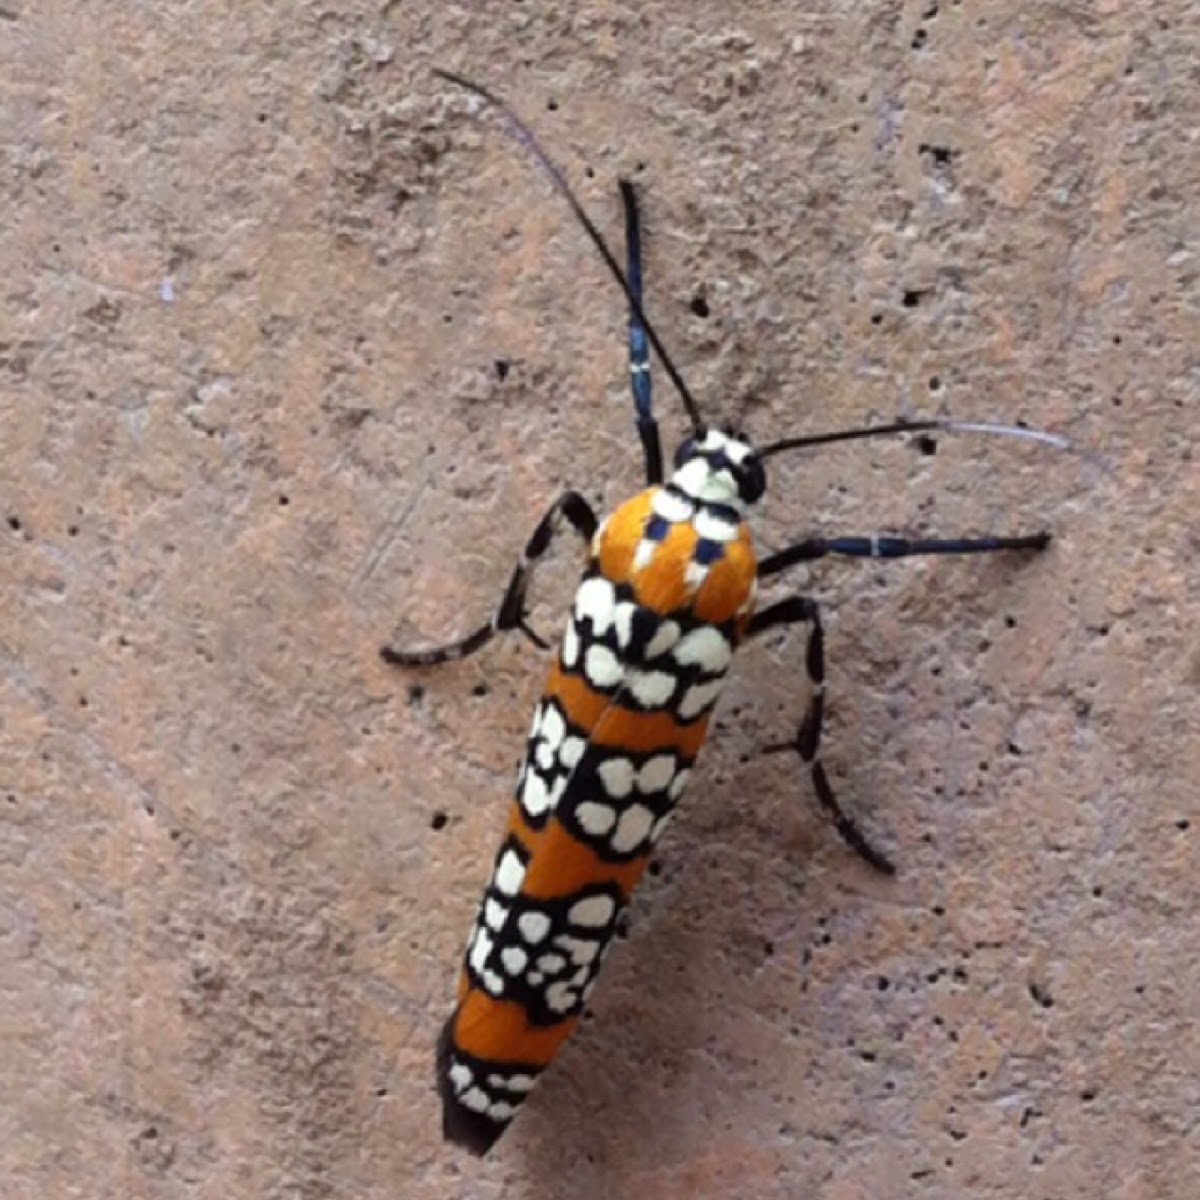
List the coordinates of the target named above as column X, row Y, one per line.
column 257, row 268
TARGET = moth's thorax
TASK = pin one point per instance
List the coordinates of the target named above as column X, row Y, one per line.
column 679, row 551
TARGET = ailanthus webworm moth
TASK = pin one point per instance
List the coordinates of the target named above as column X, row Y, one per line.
column 667, row 595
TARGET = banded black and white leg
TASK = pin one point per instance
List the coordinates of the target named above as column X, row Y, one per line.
column 803, row 609
column 883, row 546
column 572, row 508
column 639, row 345
column 807, row 742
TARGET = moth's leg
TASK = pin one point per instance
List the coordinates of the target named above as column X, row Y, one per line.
column 570, row 506
column 639, row 346
column 893, row 547
column 807, row 742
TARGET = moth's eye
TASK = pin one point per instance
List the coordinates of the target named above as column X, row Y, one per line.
column 752, row 479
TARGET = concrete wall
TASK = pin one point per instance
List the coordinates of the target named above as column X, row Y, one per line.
column 258, row 273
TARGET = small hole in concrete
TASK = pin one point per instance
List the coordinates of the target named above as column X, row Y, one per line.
column 941, row 155
column 501, row 367
column 482, row 688
column 926, row 444
column 284, row 501
column 699, row 305
column 416, row 693
column 1041, row 996
column 919, row 39
column 14, row 523
column 438, row 821
column 1183, row 824
column 552, row 105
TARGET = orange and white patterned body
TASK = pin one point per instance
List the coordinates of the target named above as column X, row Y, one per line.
column 668, row 591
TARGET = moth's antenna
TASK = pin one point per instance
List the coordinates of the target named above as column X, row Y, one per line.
column 524, row 135
column 924, row 426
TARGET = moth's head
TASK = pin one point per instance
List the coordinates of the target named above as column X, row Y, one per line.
column 720, row 468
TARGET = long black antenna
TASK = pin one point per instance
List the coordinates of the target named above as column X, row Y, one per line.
column 923, row 426
column 524, row 135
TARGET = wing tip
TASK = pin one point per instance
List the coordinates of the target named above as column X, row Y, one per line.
column 475, row 1132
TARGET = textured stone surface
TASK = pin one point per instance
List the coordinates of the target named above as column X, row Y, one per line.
column 258, row 274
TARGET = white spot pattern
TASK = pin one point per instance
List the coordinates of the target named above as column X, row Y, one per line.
column 594, row 911
column 714, row 528
column 480, row 950
column 665, row 636
column 705, row 647
column 553, row 726
column 695, row 575
column 679, row 783
column 617, row 776
column 698, row 697
column 560, row 997
column 671, row 506
column 518, row 1083
column 571, row 751
column 643, row 556
column 510, row 873
column 596, row 819
column 513, row 959
column 535, row 799
column 602, row 667
column 656, row 773
column 595, row 599
column 581, row 952
column 570, row 646
column 533, row 926
column 632, row 828
column 651, row 689
column 494, row 913
column 623, row 621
